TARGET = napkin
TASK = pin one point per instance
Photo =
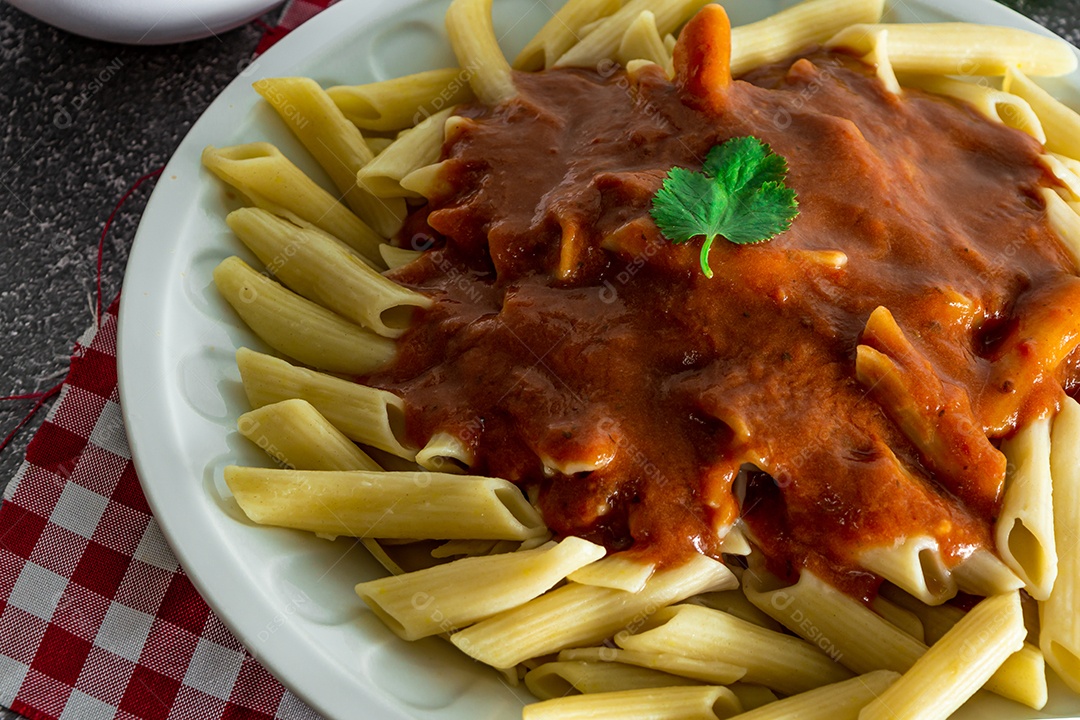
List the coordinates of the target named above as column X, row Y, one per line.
column 97, row 618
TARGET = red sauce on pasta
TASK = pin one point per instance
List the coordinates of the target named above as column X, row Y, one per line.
column 577, row 352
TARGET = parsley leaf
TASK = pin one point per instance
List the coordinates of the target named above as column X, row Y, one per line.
column 739, row 195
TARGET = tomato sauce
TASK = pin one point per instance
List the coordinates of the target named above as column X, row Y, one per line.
column 576, row 351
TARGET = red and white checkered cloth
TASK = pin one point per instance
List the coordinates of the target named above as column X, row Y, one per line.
column 97, row 619
column 295, row 14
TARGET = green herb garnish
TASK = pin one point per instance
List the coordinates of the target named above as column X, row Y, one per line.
column 739, row 194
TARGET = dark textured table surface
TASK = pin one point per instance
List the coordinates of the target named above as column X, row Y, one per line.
column 84, row 120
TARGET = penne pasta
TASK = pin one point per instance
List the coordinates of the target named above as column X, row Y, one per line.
column 603, row 42
column 1065, row 175
column 619, row 571
column 735, row 542
column 982, row 573
column 712, row 672
column 902, row 618
column 734, row 602
column 402, row 555
column 937, row 419
column 295, row 434
column 864, row 641
column 395, row 257
column 315, row 267
column 444, row 453
column 1025, row 528
column 414, row 149
column 299, row 328
column 795, row 28
column 956, row 666
column 690, row 703
column 384, row 504
column 472, row 35
column 1022, row 677
column 378, row 552
column 1059, row 623
column 576, row 615
column 751, row 697
column 879, row 58
column 335, row 143
column 427, row 182
column 527, row 544
column 840, row 701
column 1059, row 121
column 914, row 564
column 642, row 41
column 274, row 184
column 448, row 597
column 1063, row 218
column 1072, row 165
column 562, row 678
column 392, row 105
column 468, row 548
column 779, row 662
column 561, row 32
column 961, row 49
column 377, row 144
column 368, row 416
column 935, row 619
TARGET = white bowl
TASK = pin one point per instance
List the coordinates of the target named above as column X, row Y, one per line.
column 145, row 22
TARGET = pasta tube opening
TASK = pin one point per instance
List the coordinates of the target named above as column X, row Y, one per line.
column 916, row 565
column 445, row 453
column 397, row 318
column 1065, row 661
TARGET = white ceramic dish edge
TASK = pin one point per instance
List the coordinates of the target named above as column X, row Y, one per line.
column 145, row 22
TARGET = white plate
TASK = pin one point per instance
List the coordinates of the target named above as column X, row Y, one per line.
column 287, row 595
column 145, row 22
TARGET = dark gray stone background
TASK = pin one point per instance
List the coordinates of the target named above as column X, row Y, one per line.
column 84, row 120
